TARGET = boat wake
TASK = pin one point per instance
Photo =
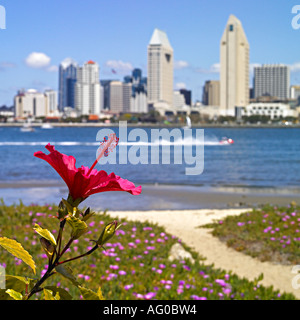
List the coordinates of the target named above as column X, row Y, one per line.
column 187, row 142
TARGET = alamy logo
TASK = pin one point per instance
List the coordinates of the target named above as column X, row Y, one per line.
column 134, row 147
column 296, row 19
column 2, row 18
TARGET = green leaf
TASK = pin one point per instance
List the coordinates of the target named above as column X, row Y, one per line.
column 16, row 283
column 78, row 227
column 87, row 215
column 48, row 295
column 90, row 295
column 48, row 247
column 63, row 294
column 16, row 249
column 67, row 273
column 45, row 234
column 72, row 209
column 14, row 294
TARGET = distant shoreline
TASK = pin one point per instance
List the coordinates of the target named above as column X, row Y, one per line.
column 157, row 125
column 153, row 197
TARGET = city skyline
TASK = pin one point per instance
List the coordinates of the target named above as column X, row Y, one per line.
column 33, row 45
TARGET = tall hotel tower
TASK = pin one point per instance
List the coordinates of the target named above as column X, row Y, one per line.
column 160, row 69
column 234, row 75
column 87, row 97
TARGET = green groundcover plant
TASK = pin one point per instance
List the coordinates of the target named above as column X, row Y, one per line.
column 270, row 233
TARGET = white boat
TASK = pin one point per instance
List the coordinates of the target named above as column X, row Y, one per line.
column 47, row 126
column 27, row 128
column 188, row 123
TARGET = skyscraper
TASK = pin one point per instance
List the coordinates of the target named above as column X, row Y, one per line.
column 160, row 69
column 115, row 96
column 211, row 93
column 234, row 75
column 67, row 81
column 272, row 80
column 87, row 90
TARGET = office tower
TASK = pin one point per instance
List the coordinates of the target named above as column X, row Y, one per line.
column 160, row 69
column 67, row 81
column 51, row 102
column 87, row 89
column 115, row 96
column 211, row 93
column 127, row 93
column 187, row 96
column 234, row 60
column 272, row 80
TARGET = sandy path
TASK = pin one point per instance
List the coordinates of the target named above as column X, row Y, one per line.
column 184, row 224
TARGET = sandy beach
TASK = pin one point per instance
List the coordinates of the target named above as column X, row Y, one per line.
column 185, row 225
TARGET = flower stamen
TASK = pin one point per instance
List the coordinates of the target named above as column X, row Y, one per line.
column 105, row 148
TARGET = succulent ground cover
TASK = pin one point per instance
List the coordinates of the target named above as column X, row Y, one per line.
column 270, row 233
column 133, row 265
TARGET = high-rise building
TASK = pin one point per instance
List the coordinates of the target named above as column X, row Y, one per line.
column 87, row 89
column 51, row 102
column 211, row 93
column 127, row 93
column 187, row 96
column 234, row 74
column 160, row 69
column 272, row 80
column 115, row 96
column 67, row 81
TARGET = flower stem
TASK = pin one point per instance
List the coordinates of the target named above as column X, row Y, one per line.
column 81, row 256
column 67, row 246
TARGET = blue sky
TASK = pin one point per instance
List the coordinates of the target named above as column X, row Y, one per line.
column 115, row 33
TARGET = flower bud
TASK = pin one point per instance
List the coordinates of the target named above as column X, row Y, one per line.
column 108, row 232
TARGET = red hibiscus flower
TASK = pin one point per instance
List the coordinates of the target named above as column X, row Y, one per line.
column 83, row 182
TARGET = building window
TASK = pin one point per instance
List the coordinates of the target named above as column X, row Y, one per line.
column 231, row 27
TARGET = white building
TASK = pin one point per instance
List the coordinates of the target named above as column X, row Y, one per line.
column 160, row 69
column 295, row 93
column 272, row 80
column 273, row 110
column 234, row 73
column 34, row 104
column 139, row 102
column 51, row 103
column 87, row 89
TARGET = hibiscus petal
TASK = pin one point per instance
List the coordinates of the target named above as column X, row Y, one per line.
column 64, row 165
column 102, row 182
